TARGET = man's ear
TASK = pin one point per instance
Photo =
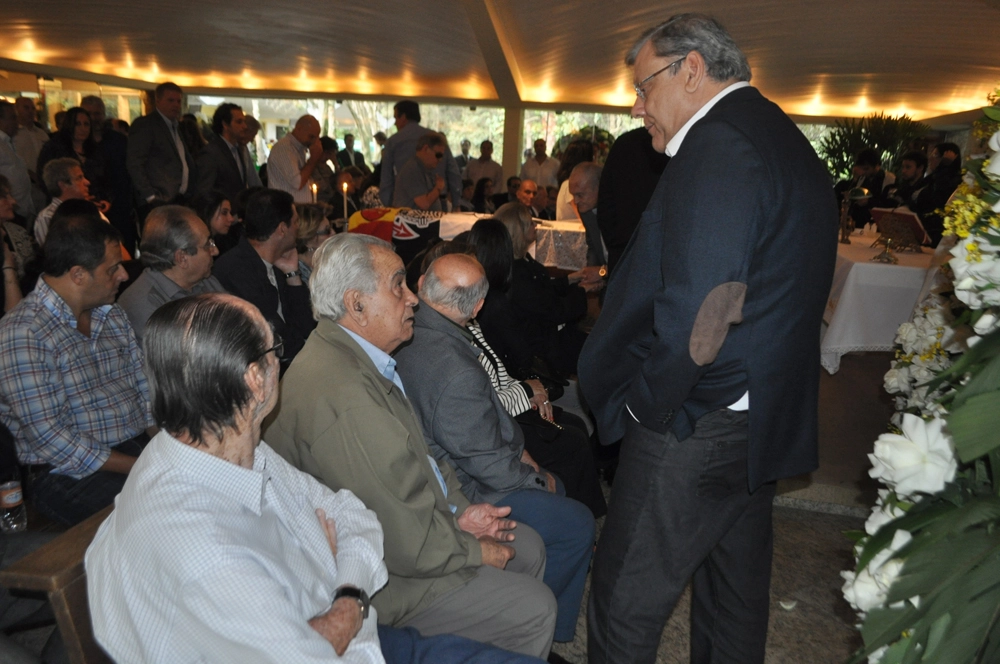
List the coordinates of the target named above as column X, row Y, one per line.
column 694, row 70
column 78, row 274
column 355, row 306
column 256, row 378
column 479, row 307
column 181, row 258
column 420, row 283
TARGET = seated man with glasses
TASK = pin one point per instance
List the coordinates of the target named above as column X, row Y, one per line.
column 417, row 185
column 177, row 251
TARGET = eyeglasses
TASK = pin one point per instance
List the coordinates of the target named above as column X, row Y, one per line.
column 278, row 348
column 208, row 246
column 639, row 92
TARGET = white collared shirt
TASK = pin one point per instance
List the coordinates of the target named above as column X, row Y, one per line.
column 674, row 144
column 203, row 560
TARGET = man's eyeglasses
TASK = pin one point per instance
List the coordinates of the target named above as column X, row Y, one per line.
column 209, row 245
column 640, row 92
column 278, row 348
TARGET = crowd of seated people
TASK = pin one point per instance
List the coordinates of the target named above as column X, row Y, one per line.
column 923, row 185
column 457, row 501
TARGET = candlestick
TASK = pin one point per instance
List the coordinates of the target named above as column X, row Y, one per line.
column 314, row 190
column 344, row 185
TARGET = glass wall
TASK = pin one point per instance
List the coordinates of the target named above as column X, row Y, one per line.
column 363, row 119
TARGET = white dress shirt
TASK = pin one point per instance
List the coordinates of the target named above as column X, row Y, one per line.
column 284, row 168
column 203, row 560
column 14, row 169
column 543, row 174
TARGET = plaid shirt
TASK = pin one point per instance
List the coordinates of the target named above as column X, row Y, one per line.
column 65, row 397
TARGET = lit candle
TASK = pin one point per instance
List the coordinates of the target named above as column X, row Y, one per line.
column 314, row 190
column 344, row 185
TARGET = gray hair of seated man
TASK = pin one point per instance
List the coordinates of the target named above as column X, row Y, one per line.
column 167, row 229
column 342, row 263
column 684, row 33
column 197, row 352
column 57, row 172
column 460, row 298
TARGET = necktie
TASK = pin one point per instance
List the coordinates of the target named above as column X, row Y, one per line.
column 239, row 161
column 181, row 153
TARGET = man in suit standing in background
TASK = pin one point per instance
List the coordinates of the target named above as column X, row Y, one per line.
column 222, row 164
column 162, row 170
column 714, row 309
column 349, row 157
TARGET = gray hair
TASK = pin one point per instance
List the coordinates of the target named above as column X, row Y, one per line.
column 589, row 172
column 342, row 263
column 167, row 230
column 684, row 33
column 461, row 298
column 56, row 172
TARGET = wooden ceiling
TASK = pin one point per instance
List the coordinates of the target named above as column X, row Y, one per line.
column 927, row 58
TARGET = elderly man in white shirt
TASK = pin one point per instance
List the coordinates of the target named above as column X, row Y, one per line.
column 219, row 550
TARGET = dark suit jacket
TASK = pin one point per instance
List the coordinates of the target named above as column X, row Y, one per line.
column 744, row 209
column 217, row 169
column 153, row 161
column 345, row 161
column 242, row 272
column 631, row 172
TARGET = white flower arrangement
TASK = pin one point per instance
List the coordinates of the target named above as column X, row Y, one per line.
column 941, row 468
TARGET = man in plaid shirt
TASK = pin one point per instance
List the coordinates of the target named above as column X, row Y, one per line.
column 72, row 390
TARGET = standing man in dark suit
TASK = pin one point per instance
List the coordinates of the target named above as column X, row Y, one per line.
column 714, row 309
column 348, row 157
column 630, row 174
column 162, row 170
column 222, row 164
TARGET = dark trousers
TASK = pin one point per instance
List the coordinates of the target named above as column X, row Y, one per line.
column 682, row 510
column 70, row 501
column 566, row 453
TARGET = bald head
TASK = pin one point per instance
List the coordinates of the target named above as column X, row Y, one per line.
column 306, row 130
column 455, row 286
column 584, row 182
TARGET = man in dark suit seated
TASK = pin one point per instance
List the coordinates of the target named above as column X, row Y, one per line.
column 222, row 163
column 513, row 184
column 263, row 268
column 706, row 354
column 161, row 168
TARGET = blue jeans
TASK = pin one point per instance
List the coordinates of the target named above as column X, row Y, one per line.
column 69, row 501
column 407, row 646
column 567, row 528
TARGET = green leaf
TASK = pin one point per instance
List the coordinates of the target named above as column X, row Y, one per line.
column 992, row 112
column 986, row 380
column 973, row 426
column 855, row 535
column 919, row 516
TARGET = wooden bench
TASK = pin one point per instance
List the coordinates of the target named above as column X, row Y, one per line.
column 57, row 569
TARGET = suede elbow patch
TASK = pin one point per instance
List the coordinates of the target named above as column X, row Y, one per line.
column 722, row 307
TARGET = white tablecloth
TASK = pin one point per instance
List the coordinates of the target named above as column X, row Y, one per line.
column 561, row 244
column 869, row 301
